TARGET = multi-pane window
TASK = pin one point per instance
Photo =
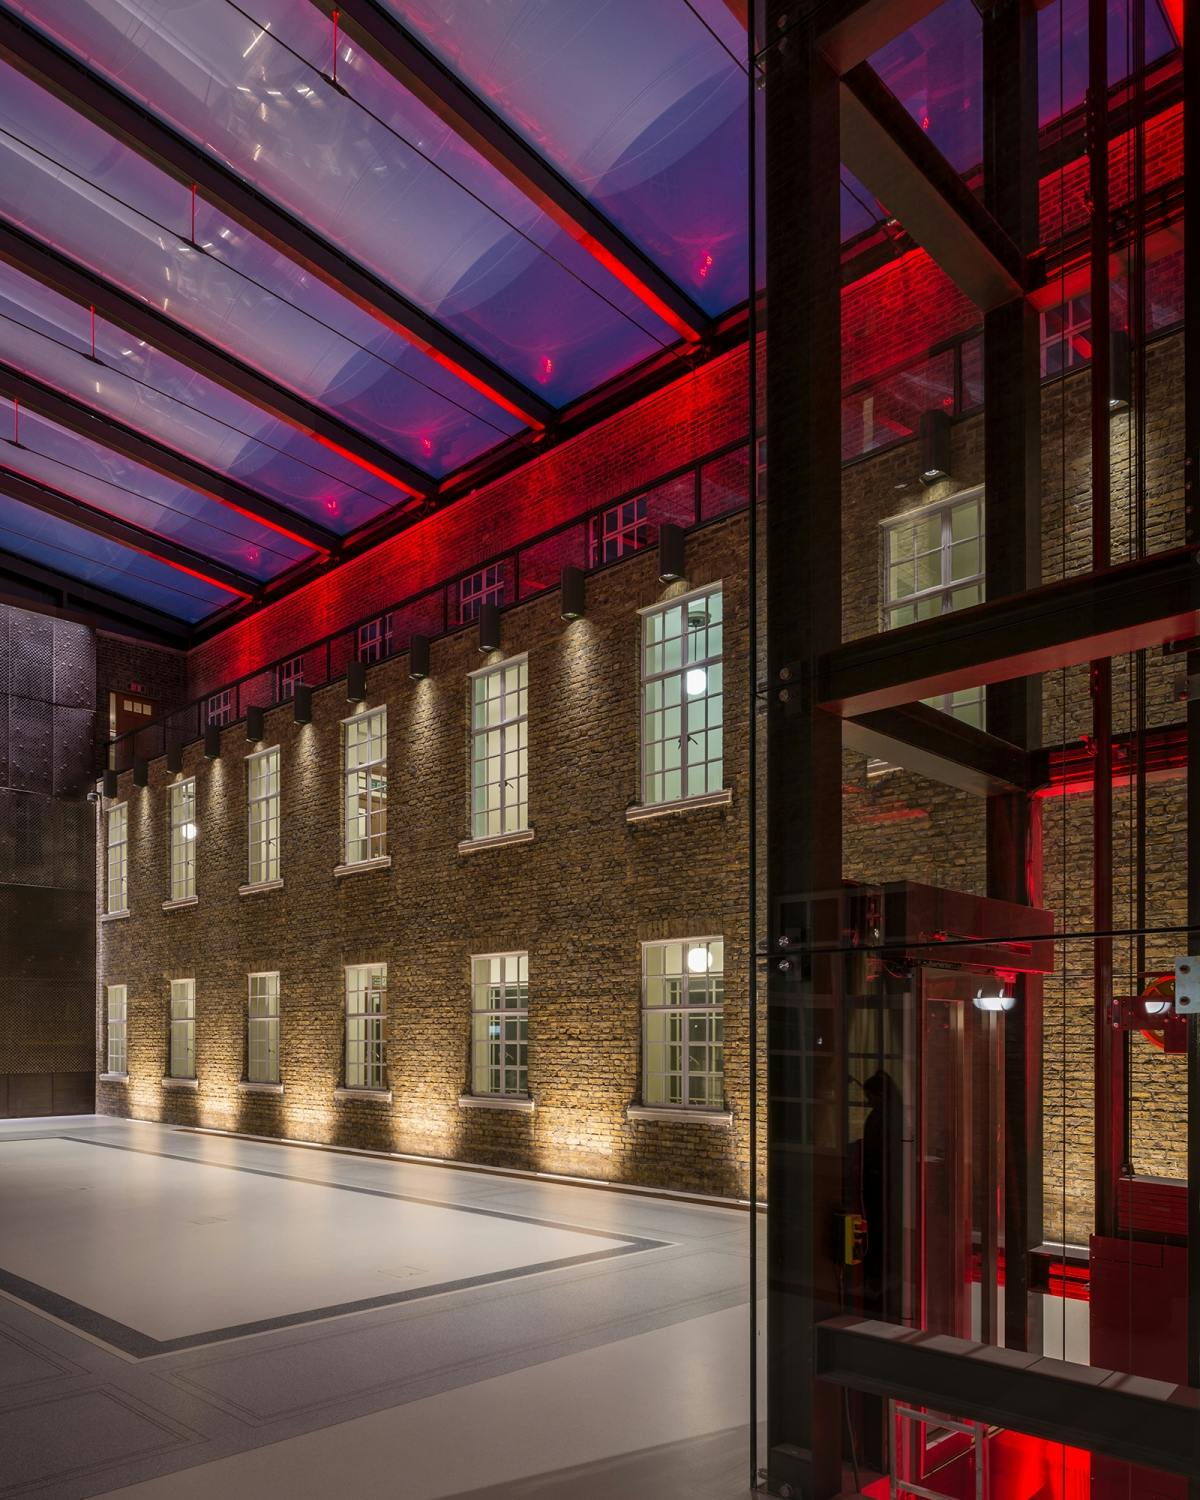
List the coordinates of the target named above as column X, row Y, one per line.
column 183, row 1028
column 118, row 1051
column 682, row 698
column 262, row 1029
column 219, row 708
column 181, row 828
column 366, row 1017
column 619, row 530
column 477, row 589
column 500, row 749
column 375, row 639
column 933, row 564
column 262, row 813
column 288, row 677
column 365, row 744
column 117, row 831
column 683, row 1041
column 500, row 1024
column 1066, row 335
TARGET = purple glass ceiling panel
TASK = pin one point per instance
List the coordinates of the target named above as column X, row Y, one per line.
column 641, row 104
column 861, row 210
column 45, row 336
column 79, row 554
column 372, row 169
column 66, row 182
column 110, row 482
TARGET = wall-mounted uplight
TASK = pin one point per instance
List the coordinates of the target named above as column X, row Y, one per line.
column 571, row 593
column 212, row 742
column 993, row 1002
column 141, row 771
column 1120, row 376
column 356, row 682
column 935, row 445
column 110, row 783
column 175, row 757
column 699, row 959
column 671, row 564
column 489, row 628
column 302, row 704
column 418, row 657
column 255, row 725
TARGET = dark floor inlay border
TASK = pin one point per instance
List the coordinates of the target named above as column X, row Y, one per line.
column 139, row 1345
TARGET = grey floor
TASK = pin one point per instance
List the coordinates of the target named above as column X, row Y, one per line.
column 187, row 1315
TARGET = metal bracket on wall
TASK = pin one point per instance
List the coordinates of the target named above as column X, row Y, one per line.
column 1187, row 985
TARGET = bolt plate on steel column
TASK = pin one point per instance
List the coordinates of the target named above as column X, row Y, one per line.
column 1187, row 985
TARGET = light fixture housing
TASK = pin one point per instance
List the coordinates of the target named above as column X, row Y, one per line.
column 175, row 756
column 356, row 682
column 671, row 564
column 302, row 703
column 110, row 783
column 934, row 433
column 1120, row 373
column 255, row 725
column 489, row 627
column 571, row 606
column 212, row 742
column 418, row 657
column 141, row 771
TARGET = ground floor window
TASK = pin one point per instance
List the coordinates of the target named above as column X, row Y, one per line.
column 683, row 1041
column 366, row 1018
column 118, row 1056
column 262, row 1039
column 500, row 1023
column 183, row 1028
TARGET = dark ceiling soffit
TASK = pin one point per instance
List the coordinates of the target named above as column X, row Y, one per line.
column 418, row 71
column 76, row 85
column 941, row 748
column 850, row 31
column 80, row 419
column 85, row 288
column 91, row 605
column 889, row 153
column 52, row 502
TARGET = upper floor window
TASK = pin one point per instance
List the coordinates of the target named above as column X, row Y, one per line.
column 262, row 1029
column 617, row 531
column 288, row 677
column 219, row 708
column 682, row 698
column 1065, row 334
column 500, row 1024
column 117, row 836
column 183, row 1028
column 262, row 813
column 933, row 564
column 487, row 586
column 117, row 1057
column 365, row 747
column 500, row 749
column 683, row 1018
column 181, row 828
column 374, row 640
column 366, row 1019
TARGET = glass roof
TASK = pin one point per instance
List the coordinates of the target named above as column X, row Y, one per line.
column 369, row 167
column 92, row 559
column 49, row 338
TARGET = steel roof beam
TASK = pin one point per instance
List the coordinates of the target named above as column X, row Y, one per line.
column 63, row 507
column 850, row 31
column 941, row 748
column 114, row 609
column 69, row 412
column 57, row 71
column 423, row 75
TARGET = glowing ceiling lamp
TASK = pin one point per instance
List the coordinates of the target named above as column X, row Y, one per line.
column 699, row 959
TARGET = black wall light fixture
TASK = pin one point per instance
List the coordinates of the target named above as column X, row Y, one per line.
column 141, row 771
column 356, row 682
column 572, row 602
column 212, row 742
column 175, row 756
column 302, row 704
column 255, row 725
column 489, row 627
column 418, row 657
column 935, row 445
column 670, row 552
column 1120, row 373
column 110, row 783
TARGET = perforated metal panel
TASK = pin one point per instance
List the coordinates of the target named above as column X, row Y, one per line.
column 30, row 656
column 74, row 665
column 30, row 745
column 73, row 750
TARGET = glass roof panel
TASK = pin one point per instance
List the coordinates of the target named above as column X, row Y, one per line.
column 80, row 554
column 107, row 481
column 68, row 183
column 641, row 104
column 371, row 168
column 49, row 338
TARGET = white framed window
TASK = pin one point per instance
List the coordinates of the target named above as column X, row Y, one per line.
column 500, row 748
column 933, row 565
column 500, row 1024
column 619, row 530
column 262, row 816
column 182, row 830
column 117, row 841
column 288, row 677
column 1065, row 335
column 364, row 740
column 683, row 1023
column 117, row 1055
column 183, row 1028
column 477, row 589
column 262, row 1029
column 374, row 640
column 366, row 1021
column 682, row 698
column 219, row 708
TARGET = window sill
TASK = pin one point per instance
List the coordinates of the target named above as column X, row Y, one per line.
column 181, row 903
column 112, row 1077
column 640, row 812
column 496, row 841
column 523, row 1103
column 721, row 1117
column 384, row 862
column 371, row 1096
column 245, row 1086
column 260, row 885
column 190, row 1084
column 114, row 916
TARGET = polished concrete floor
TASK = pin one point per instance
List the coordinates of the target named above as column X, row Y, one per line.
column 187, row 1315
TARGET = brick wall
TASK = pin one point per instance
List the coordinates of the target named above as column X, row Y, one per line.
column 121, row 660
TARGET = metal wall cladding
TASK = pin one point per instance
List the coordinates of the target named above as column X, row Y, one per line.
column 73, row 753
column 45, row 932
column 30, row 745
column 30, row 656
column 47, row 841
column 74, row 666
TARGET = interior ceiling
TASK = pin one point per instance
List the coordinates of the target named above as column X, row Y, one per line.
column 273, row 272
